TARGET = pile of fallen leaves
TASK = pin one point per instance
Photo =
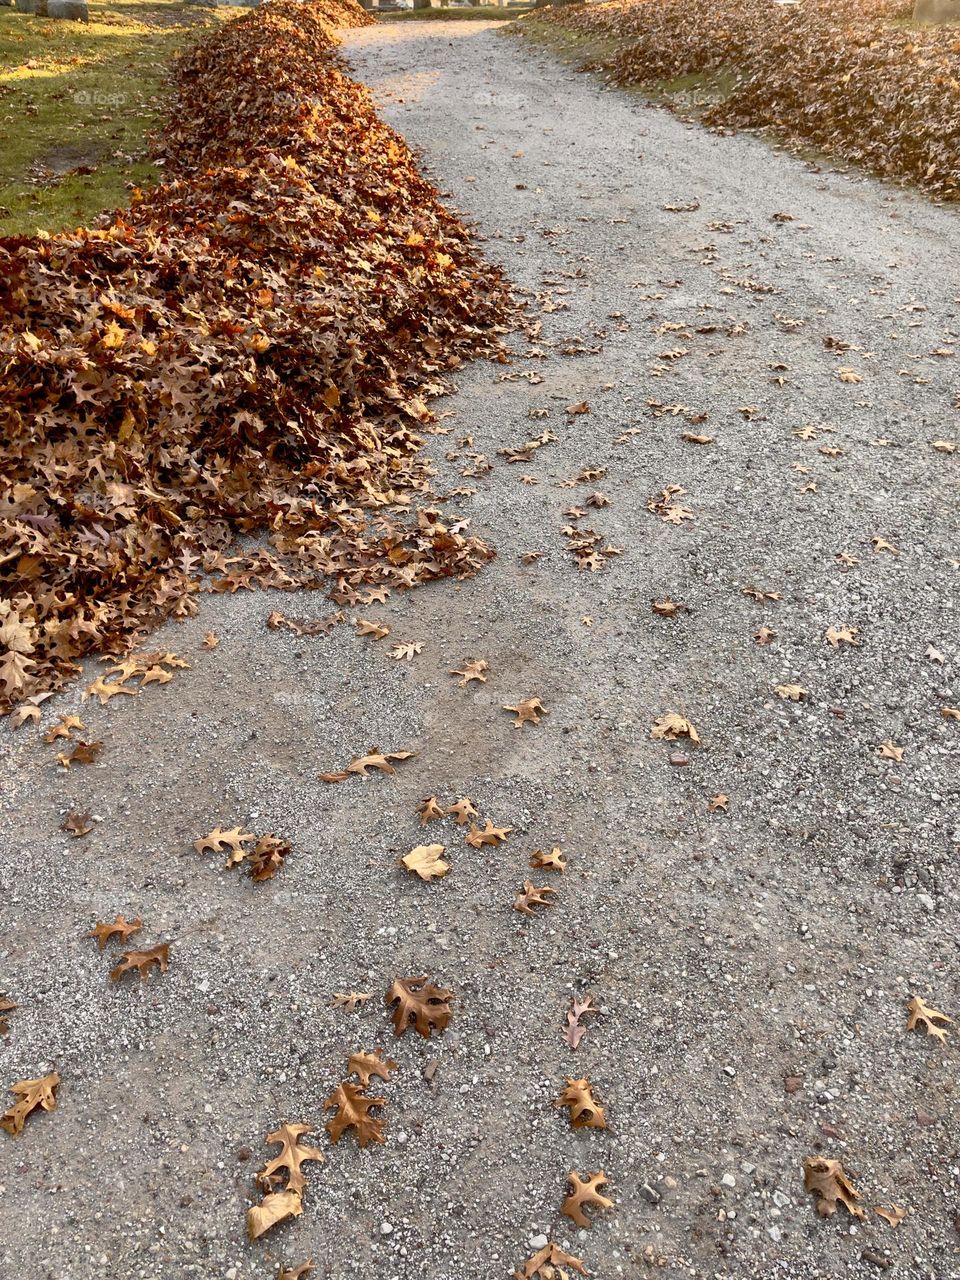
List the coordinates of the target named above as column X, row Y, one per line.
column 851, row 77
column 245, row 353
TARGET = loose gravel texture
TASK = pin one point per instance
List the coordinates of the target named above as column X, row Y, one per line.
column 727, row 951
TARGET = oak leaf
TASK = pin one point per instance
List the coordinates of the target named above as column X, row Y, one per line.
column 830, row 1184
column 881, row 544
column 927, row 1019
column 82, row 753
column 105, row 690
column 671, row 726
column 122, row 929
column 377, row 630
column 6, row 1006
column 295, row 1273
column 473, row 669
column 350, row 1000
column 462, row 811
column 404, row 652
column 77, row 824
column 791, row 692
column 31, row 1094
column 292, row 1155
column 275, row 1207
column 429, row 810
column 764, row 635
column 267, row 857
column 574, row 1031
column 64, row 729
column 667, row 608
column 531, row 897
column 219, row 840
column 893, row 1215
column 426, row 861
column 889, row 750
column 718, row 803
column 352, row 1112
column 755, row 593
column 489, row 835
column 836, row 636
column 584, row 1194
column 528, row 711
column 420, row 1003
column 585, row 1111
column 548, row 1263
column 365, row 1065
column 142, row 961
column 211, row 640
column 950, row 713
column 553, row 860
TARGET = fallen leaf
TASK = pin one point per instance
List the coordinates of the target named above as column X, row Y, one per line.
column 77, row 824
column 791, row 692
column 420, row 1003
column 583, row 1195
column 350, row 1001
column 691, row 438
column 759, row 596
column 6, row 1006
column 888, row 750
column 830, row 1184
column 211, row 640
column 489, row 835
column 365, row 1065
column 667, row 608
column 927, row 1019
column 275, row 1207
column 82, row 753
column 405, row 652
column 585, row 1111
column 531, row 897
column 553, row 860
column 718, row 803
column 881, row 544
column 549, row 1263
column 462, row 811
column 64, row 729
column 290, row 1159
column 528, row 711
column 574, row 1031
column 32, row 1094
column 105, row 690
column 122, row 929
column 295, row 1273
column 267, row 857
column 893, row 1215
column 764, row 635
column 377, row 630
column 473, row 669
column 846, row 374
column 950, row 713
column 142, row 961
column 352, row 1112
column 426, row 861
column 219, row 840
column 429, row 810
column 671, row 726
column 835, row 636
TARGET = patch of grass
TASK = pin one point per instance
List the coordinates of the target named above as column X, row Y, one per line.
column 489, row 12
column 77, row 101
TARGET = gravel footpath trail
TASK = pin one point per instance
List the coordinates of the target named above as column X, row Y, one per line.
column 751, row 965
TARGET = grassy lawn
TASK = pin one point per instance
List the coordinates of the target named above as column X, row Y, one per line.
column 77, row 101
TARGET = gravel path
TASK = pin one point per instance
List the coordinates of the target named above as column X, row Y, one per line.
column 727, row 951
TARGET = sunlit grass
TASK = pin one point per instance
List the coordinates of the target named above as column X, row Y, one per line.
column 77, row 101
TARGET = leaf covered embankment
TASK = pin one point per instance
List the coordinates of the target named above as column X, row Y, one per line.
column 850, row 77
column 243, row 352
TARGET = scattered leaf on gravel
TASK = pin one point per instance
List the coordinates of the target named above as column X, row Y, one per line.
column 718, row 803
column 82, row 753
column 924, row 1018
column 352, row 1112
column 77, row 824
column 528, row 711
column 32, row 1094
column 405, row 652
column 881, row 544
column 791, row 692
column 893, row 1215
column 489, row 835
column 6, row 1006
column 275, row 1207
column 295, row 1273
column 585, row 1111
column 473, row 669
column 462, row 811
column 764, row 635
column 836, row 636
column 365, row 1065
column 585, row 1195
column 64, row 729
column 121, row 929
column 551, row 860
column 574, row 1031
column 549, row 1263
column 420, row 1003
column 426, row 861
column 290, row 1159
column 531, row 897
column 667, row 608
column 889, row 750
column 827, row 1180
column 220, row 840
column 142, row 961
column 350, row 1001
column 671, row 726
column 429, row 810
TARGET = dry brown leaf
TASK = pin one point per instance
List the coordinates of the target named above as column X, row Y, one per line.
column 267, row 857
column 950, row 713
column 473, row 669
column 429, row 810
column 426, row 861
column 585, row 1111
column 77, row 824
column 420, row 1003
column 220, row 840
column 553, row 860
column 889, row 750
column 121, row 929
column 365, row 1065
column 718, row 803
column 764, row 635
column 760, row 596
column 352, row 1112
column 927, row 1019
column 462, row 811
column 376, row 630
column 585, row 1195
column 105, row 690
column 275, row 1207
column 574, row 1031
column 830, row 1184
column 210, row 640
column 6, row 1006
column 791, row 692
column 292, row 1156
column 528, row 711
column 835, row 636
column 667, row 608
column 295, row 1273
column 350, row 1001
column 691, row 438
column 893, row 1215
column 671, row 726
column 846, row 374
column 64, row 729
column 405, row 652
column 82, row 753
column 31, row 1095
column 489, row 835
column 142, row 961
column 549, row 1263
column 881, row 544
column 531, row 897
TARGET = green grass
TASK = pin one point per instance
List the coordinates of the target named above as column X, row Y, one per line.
column 77, row 101
column 490, row 12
